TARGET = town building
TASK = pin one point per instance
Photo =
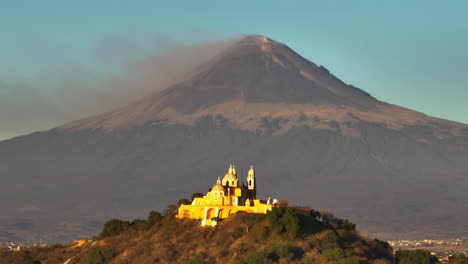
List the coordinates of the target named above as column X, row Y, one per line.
column 225, row 198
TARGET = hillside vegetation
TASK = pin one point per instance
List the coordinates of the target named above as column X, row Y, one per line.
column 284, row 235
column 281, row 236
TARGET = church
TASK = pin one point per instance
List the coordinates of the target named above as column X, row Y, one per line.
column 225, row 198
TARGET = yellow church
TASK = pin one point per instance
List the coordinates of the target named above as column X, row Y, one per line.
column 225, row 198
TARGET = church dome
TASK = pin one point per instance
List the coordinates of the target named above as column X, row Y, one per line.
column 229, row 177
column 217, row 187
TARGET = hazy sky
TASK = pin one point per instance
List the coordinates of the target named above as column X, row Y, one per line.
column 59, row 60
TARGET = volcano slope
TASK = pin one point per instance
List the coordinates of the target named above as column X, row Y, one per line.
column 313, row 140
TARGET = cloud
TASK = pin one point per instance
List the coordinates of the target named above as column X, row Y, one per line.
column 118, row 71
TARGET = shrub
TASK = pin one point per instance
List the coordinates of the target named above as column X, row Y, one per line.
column 333, row 254
column 286, row 252
column 414, row 257
column 458, row 259
column 260, row 257
column 259, row 233
column 22, row 256
column 381, row 261
column 339, row 256
column 350, row 260
column 100, row 255
column 197, row 259
column 283, row 251
column 325, row 240
column 380, row 249
column 348, row 225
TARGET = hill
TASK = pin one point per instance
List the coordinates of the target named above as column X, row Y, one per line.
column 242, row 238
column 311, row 136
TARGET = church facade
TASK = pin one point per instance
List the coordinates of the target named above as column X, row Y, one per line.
column 225, row 198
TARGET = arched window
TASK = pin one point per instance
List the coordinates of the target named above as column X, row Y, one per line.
column 250, row 182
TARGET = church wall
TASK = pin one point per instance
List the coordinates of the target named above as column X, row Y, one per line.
column 197, row 211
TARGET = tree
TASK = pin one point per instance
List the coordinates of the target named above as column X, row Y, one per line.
column 114, row 227
column 183, row 201
column 381, row 249
column 135, row 224
column 284, row 220
column 153, row 218
column 196, row 195
column 170, row 209
column 248, row 220
column 414, row 257
column 315, row 214
column 291, row 222
column 274, row 219
column 100, row 255
column 327, row 217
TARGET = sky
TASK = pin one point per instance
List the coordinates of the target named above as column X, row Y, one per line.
column 64, row 60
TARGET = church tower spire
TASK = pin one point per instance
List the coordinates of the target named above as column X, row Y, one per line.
column 251, row 179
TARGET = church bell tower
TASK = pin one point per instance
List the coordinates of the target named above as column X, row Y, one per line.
column 251, row 179
column 251, row 190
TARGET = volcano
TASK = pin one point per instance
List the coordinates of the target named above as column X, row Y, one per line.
column 314, row 140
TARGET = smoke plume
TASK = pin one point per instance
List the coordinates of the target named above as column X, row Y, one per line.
column 119, row 72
